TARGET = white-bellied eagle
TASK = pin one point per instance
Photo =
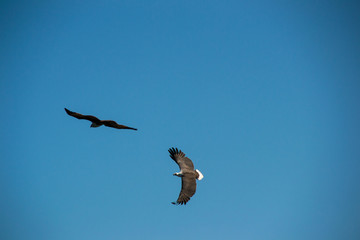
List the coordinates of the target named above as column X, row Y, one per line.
column 188, row 176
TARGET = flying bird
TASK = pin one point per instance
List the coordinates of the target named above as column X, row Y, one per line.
column 188, row 176
column 97, row 122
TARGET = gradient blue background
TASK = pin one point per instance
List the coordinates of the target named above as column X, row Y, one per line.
column 263, row 96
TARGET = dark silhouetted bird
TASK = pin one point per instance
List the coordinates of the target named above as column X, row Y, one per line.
column 97, row 122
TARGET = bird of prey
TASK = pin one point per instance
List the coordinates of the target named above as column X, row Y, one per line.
column 188, row 176
column 97, row 122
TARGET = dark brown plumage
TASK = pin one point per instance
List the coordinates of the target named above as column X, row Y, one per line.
column 188, row 176
column 97, row 122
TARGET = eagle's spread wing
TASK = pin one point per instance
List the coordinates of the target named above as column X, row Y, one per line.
column 113, row 124
column 188, row 188
column 80, row 116
column 179, row 157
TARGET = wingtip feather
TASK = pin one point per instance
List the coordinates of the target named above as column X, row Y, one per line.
column 175, row 151
column 67, row 111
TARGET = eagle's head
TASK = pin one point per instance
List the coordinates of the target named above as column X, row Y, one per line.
column 179, row 174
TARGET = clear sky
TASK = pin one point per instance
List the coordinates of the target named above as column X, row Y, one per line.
column 263, row 96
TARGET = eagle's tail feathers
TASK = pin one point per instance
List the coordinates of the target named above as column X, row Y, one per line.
column 201, row 176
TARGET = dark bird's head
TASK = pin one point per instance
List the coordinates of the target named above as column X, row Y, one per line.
column 94, row 125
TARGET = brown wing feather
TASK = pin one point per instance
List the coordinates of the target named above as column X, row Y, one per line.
column 179, row 157
column 188, row 188
column 80, row 116
column 113, row 124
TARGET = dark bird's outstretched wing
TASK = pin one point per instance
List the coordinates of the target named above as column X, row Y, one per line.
column 113, row 124
column 80, row 116
column 188, row 188
column 179, row 157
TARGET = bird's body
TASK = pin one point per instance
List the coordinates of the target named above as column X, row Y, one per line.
column 95, row 122
column 188, row 176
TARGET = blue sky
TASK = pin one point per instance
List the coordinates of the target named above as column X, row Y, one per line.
column 263, row 96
